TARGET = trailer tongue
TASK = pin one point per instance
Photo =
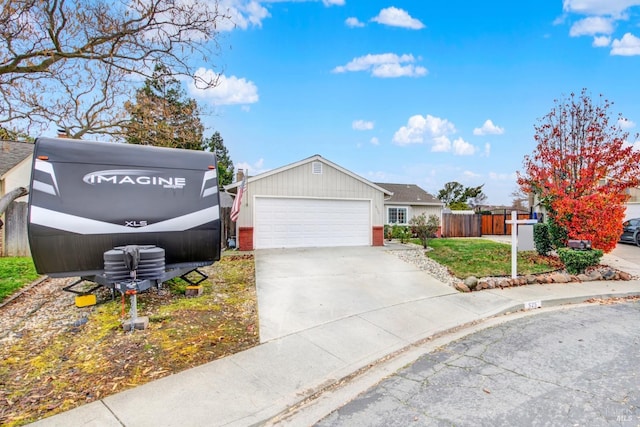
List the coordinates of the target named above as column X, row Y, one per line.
column 128, row 217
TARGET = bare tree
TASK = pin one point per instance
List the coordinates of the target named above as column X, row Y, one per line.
column 6, row 200
column 519, row 199
column 73, row 62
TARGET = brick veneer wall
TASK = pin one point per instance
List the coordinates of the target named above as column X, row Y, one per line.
column 245, row 241
column 378, row 235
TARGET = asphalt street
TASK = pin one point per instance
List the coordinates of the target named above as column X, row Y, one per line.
column 577, row 366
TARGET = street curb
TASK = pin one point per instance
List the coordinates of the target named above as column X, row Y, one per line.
column 420, row 345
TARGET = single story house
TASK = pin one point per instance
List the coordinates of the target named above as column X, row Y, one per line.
column 407, row 201
column 317, row 203
column 15, row 171
column 310, row 203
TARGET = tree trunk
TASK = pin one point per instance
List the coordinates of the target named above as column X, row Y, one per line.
column 6, row 200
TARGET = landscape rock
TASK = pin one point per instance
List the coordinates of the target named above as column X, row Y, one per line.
column 504, row 284
column 471, row 282
column 625, row 276
column 560, row 278
column 462, row 287
column 595, row 275
column 419, row 259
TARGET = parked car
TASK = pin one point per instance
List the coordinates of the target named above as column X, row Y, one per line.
column 631, row 231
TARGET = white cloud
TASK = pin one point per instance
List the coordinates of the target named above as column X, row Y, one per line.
column 374, row 141
column 397, row 18
column 397, row 70
column 242, row 14
column 615, row 8
column 252, row 169
column 626, row 124
column 629, row 45
column 502, row 176
column 600, row 22
column 559, row 20
column 488, row 128
column 591, row 26
column 487, row 149
column 230, row 90
column 353, row 22
column 419, row 130
column 602, row 41
column 362, row 125
column 325, row 2
column 471, row 174
column 384, row 65
column 441, row 144
column 463, row 148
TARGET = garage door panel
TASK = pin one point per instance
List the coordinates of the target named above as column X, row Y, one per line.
column 293, row 222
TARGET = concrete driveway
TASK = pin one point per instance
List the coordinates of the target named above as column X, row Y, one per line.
column 302, row 288
column 628, row 252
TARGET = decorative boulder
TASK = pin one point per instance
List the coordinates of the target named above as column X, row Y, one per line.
column 471, row 282
column 462, row 287
column 624, row 275
column 560, row 278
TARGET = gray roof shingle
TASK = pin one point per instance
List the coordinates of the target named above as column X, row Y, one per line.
column 409, row 194
column 12, row 153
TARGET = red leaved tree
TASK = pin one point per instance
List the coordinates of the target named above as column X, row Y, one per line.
column 581, row 169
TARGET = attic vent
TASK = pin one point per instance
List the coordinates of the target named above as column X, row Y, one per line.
column 316, row 168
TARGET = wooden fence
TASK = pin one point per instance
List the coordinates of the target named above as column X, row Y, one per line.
column 455, row 225
column 227, row 227
column 15, row 230
column 476, row 225
column 496, row 223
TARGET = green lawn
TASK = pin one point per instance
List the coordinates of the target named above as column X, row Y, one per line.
column 15, row 272
column 481, row 258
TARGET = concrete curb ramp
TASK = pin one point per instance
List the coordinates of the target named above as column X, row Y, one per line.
column 300, row 361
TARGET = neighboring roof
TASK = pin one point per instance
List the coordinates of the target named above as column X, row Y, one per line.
column 316, row 158
column 12, row 153
column 409, row 194
column 226, row 200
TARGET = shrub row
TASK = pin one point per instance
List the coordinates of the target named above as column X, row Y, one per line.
column 548, row 236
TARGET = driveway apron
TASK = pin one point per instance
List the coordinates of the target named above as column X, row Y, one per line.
column 299, row 289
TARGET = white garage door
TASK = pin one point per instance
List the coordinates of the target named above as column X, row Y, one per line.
column 298, row 223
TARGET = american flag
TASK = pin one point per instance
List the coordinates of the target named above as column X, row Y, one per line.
column 235, row 209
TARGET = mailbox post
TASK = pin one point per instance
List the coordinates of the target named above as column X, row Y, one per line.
column 514, row 221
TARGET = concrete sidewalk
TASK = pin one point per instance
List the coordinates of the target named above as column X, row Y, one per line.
column 257, row 385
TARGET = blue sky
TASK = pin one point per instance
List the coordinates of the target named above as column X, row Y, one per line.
column 414, row 92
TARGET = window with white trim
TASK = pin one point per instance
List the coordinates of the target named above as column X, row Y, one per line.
column 397, row 215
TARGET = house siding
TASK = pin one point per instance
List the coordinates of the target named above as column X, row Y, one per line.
column 427, row 210
column 299, row 181
column 632, row 211
column 414, row 210
column 18, row 176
